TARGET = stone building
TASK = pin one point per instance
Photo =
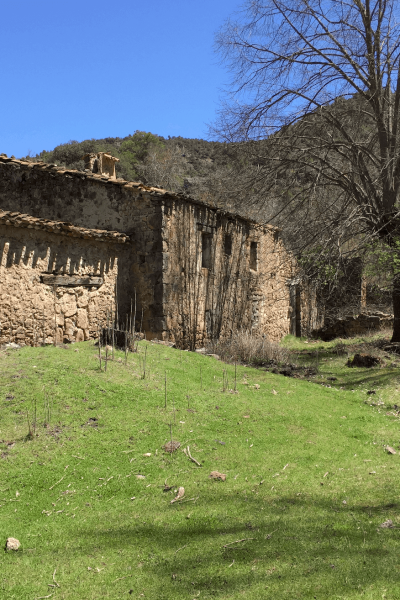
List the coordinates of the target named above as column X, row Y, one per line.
column 74, row 244
column 57, row 281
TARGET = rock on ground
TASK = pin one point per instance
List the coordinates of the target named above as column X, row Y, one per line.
column 12, row 543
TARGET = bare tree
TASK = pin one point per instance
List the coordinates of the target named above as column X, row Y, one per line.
column 165, row 167
column 315, row 94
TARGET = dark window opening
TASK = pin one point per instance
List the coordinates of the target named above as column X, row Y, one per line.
column 253, row 255
column 206, row 247
column 295, row 310
column 228, row 245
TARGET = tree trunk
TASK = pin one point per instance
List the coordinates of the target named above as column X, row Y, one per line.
column 396, row 309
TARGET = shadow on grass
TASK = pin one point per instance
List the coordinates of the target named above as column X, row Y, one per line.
column 348, row 377
column 367, row 377
column 285, row 541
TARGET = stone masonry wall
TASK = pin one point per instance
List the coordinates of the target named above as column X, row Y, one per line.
column 30, row 310
column 176, row 297
column 202, row 302
column 97, row 202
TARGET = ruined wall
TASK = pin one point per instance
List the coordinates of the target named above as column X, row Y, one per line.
column 319, row 304
column 177, row 296
column 352, row 326
column 214, row 282
column 312, row 308
column 31, row 311
column 96, row 202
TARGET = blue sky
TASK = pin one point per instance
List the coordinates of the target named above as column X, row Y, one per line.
column 77, row 70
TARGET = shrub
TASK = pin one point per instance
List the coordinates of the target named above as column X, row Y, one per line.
column 248, row 348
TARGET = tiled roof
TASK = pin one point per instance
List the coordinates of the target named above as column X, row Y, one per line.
column 17, row 219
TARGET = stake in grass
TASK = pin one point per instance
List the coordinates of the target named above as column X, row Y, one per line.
column 99, row 331
column 235, row 372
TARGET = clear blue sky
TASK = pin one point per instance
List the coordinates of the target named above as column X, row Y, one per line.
column 77, row 70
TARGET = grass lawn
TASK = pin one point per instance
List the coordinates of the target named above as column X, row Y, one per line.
column 308, row 481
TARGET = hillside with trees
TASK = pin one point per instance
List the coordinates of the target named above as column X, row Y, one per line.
column 175, row 163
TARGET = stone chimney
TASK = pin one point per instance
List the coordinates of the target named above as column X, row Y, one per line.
column 101, row 163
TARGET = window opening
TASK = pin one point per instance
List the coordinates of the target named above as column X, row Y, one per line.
column 253, row 255
column 206, row 247
column 228, row 244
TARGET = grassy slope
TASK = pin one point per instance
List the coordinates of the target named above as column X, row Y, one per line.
column 292, row 458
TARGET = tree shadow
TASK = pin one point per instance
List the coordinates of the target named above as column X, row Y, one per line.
column 296, row 540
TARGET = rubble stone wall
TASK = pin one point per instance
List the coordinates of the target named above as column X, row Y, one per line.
column 31, row 311
column 177, row 297
column 232, row 292
column 95, row 202
column 351, row 326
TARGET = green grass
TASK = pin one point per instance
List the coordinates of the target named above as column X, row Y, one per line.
column 308, row 481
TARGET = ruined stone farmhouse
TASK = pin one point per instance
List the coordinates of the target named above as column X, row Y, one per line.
column 75, row 245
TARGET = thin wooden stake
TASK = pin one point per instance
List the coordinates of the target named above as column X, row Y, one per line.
column 55, row 317
column 144, row 363
column 35, row 413
column 105, row 366
column 165, row 389
column 29, row 425
column 116, row 303
column 134, row 324
column 141, row 322
column 100, row 332
column 113, row 333
column 126, row 340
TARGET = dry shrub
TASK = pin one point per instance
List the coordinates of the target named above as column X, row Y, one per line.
column 248, row 348
column 340, row 348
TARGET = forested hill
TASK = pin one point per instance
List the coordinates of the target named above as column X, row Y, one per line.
column 175, row 163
